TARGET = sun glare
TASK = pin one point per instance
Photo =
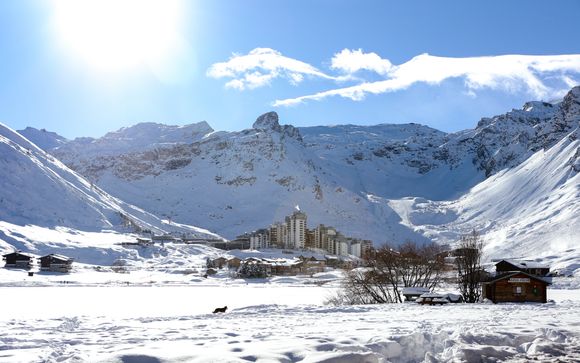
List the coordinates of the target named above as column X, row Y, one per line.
column 119, row 34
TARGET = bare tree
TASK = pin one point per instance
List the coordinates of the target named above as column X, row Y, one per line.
column 469, row 269
column 387, row 271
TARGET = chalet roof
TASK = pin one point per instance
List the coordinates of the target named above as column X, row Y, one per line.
column 18, row 253
column 58, row 257
column 282, row 262
column 509, row 274
column 525, row 264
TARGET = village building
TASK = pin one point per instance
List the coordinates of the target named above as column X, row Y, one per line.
column 277, row 234
column 242, row 242
column 332, row 261
column 338, row 244
column 516, row 286
column 18, row 260
column 296, row 230
column 234, row 262
column 366, row 247
column 322, row 236
column 283, row 267
column 219, row 262
column 531, row 267
column 260, row 239
column 56, row 263
column 312, row 265
column 310, row 238
column 293, row 234
column 355, row 248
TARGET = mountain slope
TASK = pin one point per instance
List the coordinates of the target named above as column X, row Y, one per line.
column 39, row 190
column 531, row 208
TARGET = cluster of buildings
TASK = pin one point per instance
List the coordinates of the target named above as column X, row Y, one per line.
column 293, row 234
column 51, row 262
column 265, row 267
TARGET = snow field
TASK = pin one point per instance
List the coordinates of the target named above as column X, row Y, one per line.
column 286, row 324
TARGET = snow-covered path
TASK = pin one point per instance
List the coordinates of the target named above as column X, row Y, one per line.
column 292, row 332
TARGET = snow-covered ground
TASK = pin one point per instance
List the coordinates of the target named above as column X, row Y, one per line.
column 274, row 323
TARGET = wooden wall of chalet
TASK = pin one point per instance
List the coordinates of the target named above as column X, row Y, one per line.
column 514, row 289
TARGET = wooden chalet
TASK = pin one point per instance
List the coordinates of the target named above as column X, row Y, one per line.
column 18, row 260
column 283, row 267
column 516, row 286
column 332, row 261
column 531, row 267
column 56, row 263
column 219, row 262
column 312, row 265
column 234, row 262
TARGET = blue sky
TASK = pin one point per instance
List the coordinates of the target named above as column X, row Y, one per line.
column 86, row 71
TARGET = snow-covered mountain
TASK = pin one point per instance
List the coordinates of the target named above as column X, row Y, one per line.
column 45, row 140
column 39, row 194
column 143, row 136
column 238, row 181
column 383, row 182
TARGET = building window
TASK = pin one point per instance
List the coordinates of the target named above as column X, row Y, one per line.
column 517, row 290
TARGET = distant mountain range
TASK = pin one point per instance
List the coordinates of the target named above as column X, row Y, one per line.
column 514, row 177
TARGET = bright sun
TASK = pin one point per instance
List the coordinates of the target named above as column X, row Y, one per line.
column 119, row 34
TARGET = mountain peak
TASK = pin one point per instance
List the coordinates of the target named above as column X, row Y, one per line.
column 46, row 140
column 267, row 121
column 270, row 122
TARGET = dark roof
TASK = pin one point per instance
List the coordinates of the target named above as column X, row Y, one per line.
column 524, row 264
column 58, row 257
column 18, row 254
column 509, row 274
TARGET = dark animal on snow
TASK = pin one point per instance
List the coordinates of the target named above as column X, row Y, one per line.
column 220, row 310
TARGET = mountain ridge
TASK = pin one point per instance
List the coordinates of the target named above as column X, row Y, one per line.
column 342, row 175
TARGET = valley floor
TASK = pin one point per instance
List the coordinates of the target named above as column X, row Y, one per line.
column 273, row 323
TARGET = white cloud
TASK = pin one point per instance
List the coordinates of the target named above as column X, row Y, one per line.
column 259, row 67
column 351, row 61
column 506, row 72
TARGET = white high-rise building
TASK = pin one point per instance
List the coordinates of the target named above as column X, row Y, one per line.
column 296, row 230
column 322, row 236
column 260, row 239
column 337, row 244
column 355, row 248
column 278, row 235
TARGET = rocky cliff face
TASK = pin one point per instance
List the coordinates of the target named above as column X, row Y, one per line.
column 342, row 175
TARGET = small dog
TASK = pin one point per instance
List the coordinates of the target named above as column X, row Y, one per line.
column 220, row 310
